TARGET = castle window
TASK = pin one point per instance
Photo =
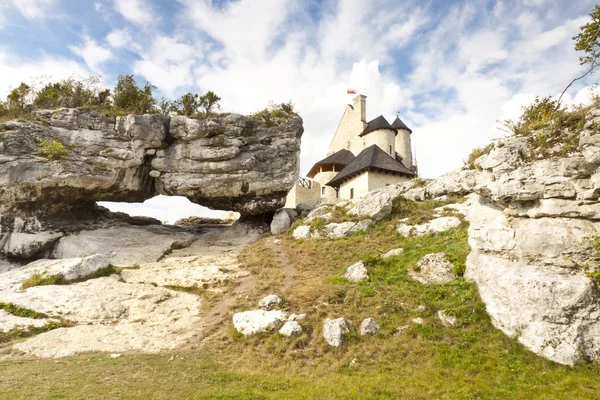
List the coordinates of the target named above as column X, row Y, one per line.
column 352, row 193
column 390, row 149
column 323, row 190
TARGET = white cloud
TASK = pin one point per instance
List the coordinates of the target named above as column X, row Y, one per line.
column 32, row 9
column 93, row 54
column 98, row 7
column 14, row 70
column 136, row 11
column 119, row 38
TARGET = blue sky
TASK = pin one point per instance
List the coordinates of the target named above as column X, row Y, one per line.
column 450, row 68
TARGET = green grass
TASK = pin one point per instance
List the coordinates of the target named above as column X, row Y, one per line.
column 472, row 360
column 21, row 311
column 43, row 278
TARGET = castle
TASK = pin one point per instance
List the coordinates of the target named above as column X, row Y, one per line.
column 363, row 156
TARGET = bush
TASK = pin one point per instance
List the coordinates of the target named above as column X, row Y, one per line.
column 17, row 99
column 129, row 97
column 275, row 114
column 72, row 92
column 187, row 104
column 53, row 150
column 476, row 153
column 208, row 101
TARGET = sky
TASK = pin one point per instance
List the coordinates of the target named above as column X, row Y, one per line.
column 449, row 69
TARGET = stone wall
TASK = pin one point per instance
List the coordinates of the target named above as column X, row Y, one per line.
column 302, row 195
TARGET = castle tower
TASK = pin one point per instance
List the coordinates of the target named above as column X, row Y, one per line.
column 403, row 142
column 379, row 132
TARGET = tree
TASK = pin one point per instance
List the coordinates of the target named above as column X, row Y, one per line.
column 19, row 97
column 208, row 101
column 587, row 41
column 187, row 104
column 129, row 97
column 165, row 106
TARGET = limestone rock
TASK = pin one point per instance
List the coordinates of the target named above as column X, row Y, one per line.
column 393, row 253
column 301, row 232
column 270, row 302
column 433, row 269
column 255, row 321
column 30, row 245
column 281, row 222
column 375, row 205
column 8, row 322
column 436, row 225
column 128, row 246
column 291, row 328
column 357, row 272
column 335, row 331
column 368, row 327
column 344, row 229
column 447, row 320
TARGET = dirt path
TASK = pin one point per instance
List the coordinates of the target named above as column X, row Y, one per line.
column 285, row 263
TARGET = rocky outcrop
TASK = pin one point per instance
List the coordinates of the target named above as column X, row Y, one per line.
column 54, row 168
column 256, row 321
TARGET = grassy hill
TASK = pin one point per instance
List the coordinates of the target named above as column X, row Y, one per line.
column 472, row 360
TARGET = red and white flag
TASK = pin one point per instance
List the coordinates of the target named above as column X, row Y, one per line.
column 351, row 91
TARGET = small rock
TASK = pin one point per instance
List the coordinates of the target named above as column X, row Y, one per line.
column 421, row 308
column 447, row 320
column 270, row 302
column 255, row 321
column 357, row 272
column 154, row 174
column 277, row 241
column 433, row 268
column 150, row 152
column 281, row 222
column 115, row 355
column 401, row 329
column 418, row 321
column 301, row 232
column 392, row 253
column 368, row 327
column 335, row 331
column 296, row 317
column 290, row 328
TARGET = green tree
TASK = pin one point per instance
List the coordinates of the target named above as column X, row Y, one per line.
column 18, row 98
column 128, row 96
column 165, row 106
column 187, row 104
column 208, row 101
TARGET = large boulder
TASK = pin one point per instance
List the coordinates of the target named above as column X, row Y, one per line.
column 375, row 205
column 281, row 222
column 433, row 268
column 256, row 321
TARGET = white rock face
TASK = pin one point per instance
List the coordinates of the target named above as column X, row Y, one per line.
column 392, row 253
column 357, row 272
column 368, row 327
column 335, row 331
column 375, row 205
column 270, row 302
column 440, row 224
column 301, row 232
column 281, row 222
column 433, row 269
column 8, row 322
column 344, row 229
column 255, row 321
column 128, row 246
column 30, row 245
column 447, row 320
column 291, row 328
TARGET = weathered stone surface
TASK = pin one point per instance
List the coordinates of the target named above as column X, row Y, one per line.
column 281, row 222
column 344, row 229
column 270, row 302
column 368, row 327
column 126, row 246
column 433, row 269
column 392, row 253
column 375, row 205
column 30, row 245
column 357, row 272
column 8, row 322
column 447, row 320
column 335, row 331
column 301, row 232
column 255, row 321
column 291, row 328
column 440, row 224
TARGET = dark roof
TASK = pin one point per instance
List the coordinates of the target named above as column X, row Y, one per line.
column 370, row 159
column 398, row 124
column 377, row 123
column 342, row 157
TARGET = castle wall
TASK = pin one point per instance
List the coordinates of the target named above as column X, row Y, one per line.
column 330, row 194
column 359, row 183
column 383, row 138
column 378, row 180
column 404, row 147
column 300, row 194
column 353, row 122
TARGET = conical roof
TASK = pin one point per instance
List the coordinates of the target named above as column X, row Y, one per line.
column 398, row 124
column 377, row 123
